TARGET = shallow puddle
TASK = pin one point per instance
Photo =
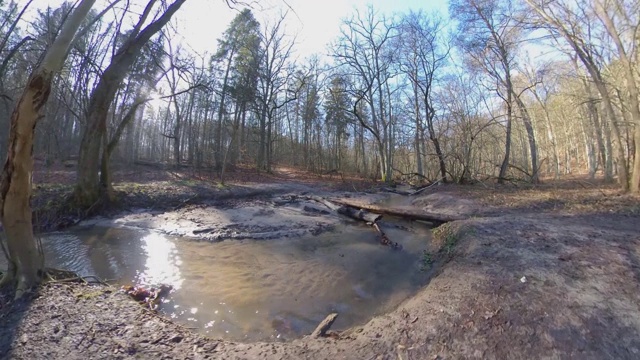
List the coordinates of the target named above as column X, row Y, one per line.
column 255, row 290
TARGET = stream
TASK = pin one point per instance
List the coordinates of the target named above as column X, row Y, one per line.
column 251, row 290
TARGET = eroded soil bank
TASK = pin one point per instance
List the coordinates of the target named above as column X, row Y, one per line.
column 551, row 272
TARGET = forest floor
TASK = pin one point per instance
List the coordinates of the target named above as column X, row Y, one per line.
column 551, row 271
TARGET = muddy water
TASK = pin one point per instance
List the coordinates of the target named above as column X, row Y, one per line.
column 255, row 290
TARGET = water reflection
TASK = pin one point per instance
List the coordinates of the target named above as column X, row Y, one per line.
column 162, row 265
column 253, row 290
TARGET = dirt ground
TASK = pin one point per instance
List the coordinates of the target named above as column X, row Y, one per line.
column 551, row 271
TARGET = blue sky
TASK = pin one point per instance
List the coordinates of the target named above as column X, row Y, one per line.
column 316, row 22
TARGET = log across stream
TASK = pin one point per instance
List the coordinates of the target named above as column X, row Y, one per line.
column 372, row 213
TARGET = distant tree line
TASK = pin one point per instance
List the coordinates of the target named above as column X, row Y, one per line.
column 400, row 97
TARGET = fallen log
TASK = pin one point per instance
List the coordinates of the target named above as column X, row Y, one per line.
column 408, row 213
column 322, row 201
column 346, row 210
column 359, row 214
column 395, row 191
column 419, row 190
column 356, row 213
column 324, row 326
column 315, row 210
column 202, row 231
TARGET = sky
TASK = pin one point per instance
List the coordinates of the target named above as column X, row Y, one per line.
column 315, row 23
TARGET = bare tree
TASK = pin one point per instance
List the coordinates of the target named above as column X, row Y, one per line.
column 423, row 54
column 622, row 23
column 88, row 188
column 364, row 50
column 273, row 84
column 26, row 261
column 490, row 34
column 567, row 21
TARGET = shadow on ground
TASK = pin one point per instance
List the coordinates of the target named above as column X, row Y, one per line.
column 12, row 313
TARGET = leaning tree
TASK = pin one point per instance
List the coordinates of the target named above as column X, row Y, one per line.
column 25, row 260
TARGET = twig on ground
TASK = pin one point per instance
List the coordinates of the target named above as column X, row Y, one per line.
column 85, row 335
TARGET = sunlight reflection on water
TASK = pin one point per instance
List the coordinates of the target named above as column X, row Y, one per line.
column 163, row 262
column 252, row 290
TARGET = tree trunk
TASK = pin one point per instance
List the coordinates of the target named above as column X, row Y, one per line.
column 263, row 138
column 630, row 73
column 88, row 187
column 26, row 261
column 603, row 146
column 592, row 165
column 507, row 148
column 234, row 134
column 430, row 113
column 531, row 137
column 551, row 135
column 105, row 168
column 268, row 143
column 222, row 112
column 176, row 133
column 623, row 171
column 417, row 138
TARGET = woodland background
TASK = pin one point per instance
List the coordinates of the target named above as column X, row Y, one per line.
column 508, row 90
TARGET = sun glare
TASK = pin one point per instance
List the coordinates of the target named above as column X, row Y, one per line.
column 157, row 103
column 162, row 265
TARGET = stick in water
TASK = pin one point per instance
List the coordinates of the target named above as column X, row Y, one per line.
column 324, row 325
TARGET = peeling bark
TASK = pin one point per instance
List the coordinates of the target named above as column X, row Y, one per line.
column 26, row 260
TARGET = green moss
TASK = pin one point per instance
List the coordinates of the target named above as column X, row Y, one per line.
column 448, row 236
column 426, row 261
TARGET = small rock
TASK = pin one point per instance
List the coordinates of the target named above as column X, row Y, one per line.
column 177, row 338
column 523, row 279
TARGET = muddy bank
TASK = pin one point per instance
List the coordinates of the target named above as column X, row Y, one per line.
column 74, row 321
column 539, row 282
column 167, row 189
column 534, row 286
column 258, row 218
column 272, row 212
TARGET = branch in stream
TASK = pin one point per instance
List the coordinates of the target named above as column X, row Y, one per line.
column 324, row 326
column 384, row 239
column 357, row 214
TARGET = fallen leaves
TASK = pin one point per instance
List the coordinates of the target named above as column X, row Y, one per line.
column 150, row 297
